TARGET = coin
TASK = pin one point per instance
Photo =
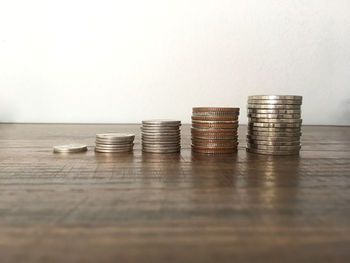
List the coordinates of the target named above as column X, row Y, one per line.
column 161, row 122
column 70, row 148
column 274, row 129
column 273, row 152
column 274, row 147
column 274, row 116
column 278, row 134
column 275, row 97
column 109, row 146
column 215, row 145
column 215, row 122
column 214, row 150
column 273, row 143
column 112, row 150
column 116, row 136
column 273, row 106
column 280, row 121
column 208, row 118
column 223, row 141
column 275, row 125
column 273, row 111
column 161, row 151
column 213, row 131
column 280, row 102
column 275, row 138
column 215, row 114
column 215, row 126
column 215, row 109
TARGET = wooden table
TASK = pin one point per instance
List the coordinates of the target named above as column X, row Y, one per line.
column 90, row 207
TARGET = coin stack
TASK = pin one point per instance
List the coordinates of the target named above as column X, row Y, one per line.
column 214, row 130
column 161, row 136
column 274, row 124
column 114, row 142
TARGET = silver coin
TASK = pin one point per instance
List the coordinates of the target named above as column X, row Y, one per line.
column 278, row 129
column 165, row 134
column 275, row 125
column 273, row 143
column 70, row 148
column 114, row 141
column 275, row 97
column 160, row 130
column 163, row 127
column 115, row 136
column 274, row 102
column 161, row 122
column 274, row 116
column 275, row 120
column 273, row 106
column 274, row 148
column 275, row 134
column 160, row 139
column 273, row 152
column 272, row 139
column 272, row 111
column 113, row 150
column 111, row 146
column 161, row 151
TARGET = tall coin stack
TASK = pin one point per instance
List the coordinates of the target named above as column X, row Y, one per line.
column 274, row 124
column 214, row 130
column 161, row 136
column 114, row 142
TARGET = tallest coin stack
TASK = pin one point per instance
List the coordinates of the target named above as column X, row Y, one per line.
column 274, row 124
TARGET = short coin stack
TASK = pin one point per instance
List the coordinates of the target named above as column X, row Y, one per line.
column 214, row 130
column 114, row 142
column 161, row 136
column 274, row 124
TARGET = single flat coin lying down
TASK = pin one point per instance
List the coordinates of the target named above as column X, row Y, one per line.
column 70, row 148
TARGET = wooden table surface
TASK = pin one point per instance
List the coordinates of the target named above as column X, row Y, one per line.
column 90, row 207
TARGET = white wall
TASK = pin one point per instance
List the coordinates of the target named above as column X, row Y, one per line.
column 124, row 61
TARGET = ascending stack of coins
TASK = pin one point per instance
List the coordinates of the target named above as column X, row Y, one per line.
column 161, row 136
column 274, row 124
column 214, row 130
column 114, row 142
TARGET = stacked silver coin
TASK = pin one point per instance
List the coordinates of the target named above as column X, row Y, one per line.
column 214, row 130
column 114, row 142
column 161, row 136
column 274, row 124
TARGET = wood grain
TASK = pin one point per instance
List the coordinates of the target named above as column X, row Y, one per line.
column 91, row 207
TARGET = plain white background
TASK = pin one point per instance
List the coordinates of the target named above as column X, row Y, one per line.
column 124, row 61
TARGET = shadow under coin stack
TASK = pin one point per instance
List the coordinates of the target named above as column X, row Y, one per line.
column 274, row 124
column 214, row 130
column 161, row 136
column 114, row 142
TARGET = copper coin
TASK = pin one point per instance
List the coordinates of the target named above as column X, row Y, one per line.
column 198, row 140
column 214, row 145
column 214, row 151
column 213, row 131
column 227, row 109
column 208, row 118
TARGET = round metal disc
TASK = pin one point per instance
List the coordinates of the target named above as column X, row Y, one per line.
column 273, row 143
column 275, row 120
column 272, row 129
column 115, row 136
column 275, row 125
column 208, row 118
column 274, row 134
column 215, row 109
column 275, row 97
column 273, row 106
column 70, row 148
column 274, row 116
column 274, row 147
column 280, row 139
column 272, row 111
column 162, row 122
column 273, row 152
column 280, row 102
